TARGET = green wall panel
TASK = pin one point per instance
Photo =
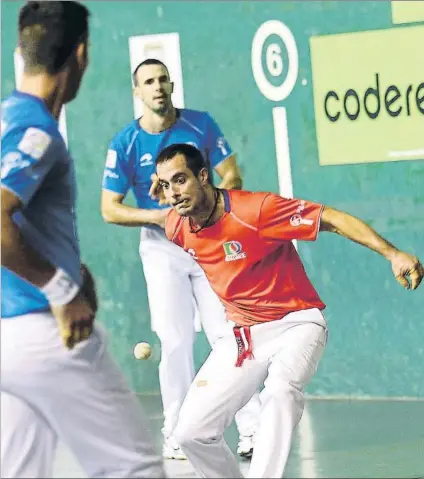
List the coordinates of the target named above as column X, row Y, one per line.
column 376, row 328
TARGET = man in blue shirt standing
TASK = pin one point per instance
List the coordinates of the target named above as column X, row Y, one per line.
column 175, row 283
column 58, row 380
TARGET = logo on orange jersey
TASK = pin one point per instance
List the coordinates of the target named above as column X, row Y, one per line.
column 233, row 250
column 297, row 219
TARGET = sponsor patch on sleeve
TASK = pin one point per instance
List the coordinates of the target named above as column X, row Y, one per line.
column 34, row 143
column 111, row 159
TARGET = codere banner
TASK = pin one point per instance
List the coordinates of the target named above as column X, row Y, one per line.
column 369, row 95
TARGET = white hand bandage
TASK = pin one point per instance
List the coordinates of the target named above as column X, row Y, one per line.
column 61, row 289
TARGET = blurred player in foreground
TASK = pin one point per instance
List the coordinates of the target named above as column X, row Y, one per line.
column 243, row 241
column 58, row 380
column 130, row 164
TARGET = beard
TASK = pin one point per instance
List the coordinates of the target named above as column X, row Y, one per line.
column 201, row 208
column 162, row 110
column 203, row 212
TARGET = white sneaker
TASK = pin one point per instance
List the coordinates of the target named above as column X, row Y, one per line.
column 171, row 450
column 245, row 447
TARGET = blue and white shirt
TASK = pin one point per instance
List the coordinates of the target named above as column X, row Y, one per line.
column 132, row 153
column 36, row 167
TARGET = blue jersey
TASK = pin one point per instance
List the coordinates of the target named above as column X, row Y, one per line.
column 131, row 157
column 36, row 167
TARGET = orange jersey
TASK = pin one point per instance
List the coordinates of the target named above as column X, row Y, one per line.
column 249, row 258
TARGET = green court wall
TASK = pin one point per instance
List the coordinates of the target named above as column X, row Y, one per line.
column 376, row 328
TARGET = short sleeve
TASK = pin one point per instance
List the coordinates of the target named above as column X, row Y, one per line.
column 289, row 219
column 173, row 227
column 117, row 172
column 218, row 147
column 27, row 156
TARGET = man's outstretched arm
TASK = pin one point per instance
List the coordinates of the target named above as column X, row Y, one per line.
column 404, row 265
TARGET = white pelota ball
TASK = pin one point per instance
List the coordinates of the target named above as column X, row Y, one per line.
column 142, row 351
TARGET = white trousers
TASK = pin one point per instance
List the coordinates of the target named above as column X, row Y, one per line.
column 79, row 396
column 286, row 356
column 176, row 285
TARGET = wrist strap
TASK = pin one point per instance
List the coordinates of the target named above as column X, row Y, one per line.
column 61, row 289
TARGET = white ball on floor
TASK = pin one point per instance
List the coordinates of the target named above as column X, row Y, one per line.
column 142, row 351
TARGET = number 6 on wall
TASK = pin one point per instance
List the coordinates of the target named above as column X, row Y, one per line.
column 275, row 66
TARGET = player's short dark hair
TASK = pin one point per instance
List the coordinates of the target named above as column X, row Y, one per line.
column 149, row 61
column 194, row 158
column 49, row 33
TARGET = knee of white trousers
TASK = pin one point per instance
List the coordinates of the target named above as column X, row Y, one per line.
column 283, row 392
column 186, row 434
column 190, row 432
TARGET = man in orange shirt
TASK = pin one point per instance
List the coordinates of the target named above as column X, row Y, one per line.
column 277, row 333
